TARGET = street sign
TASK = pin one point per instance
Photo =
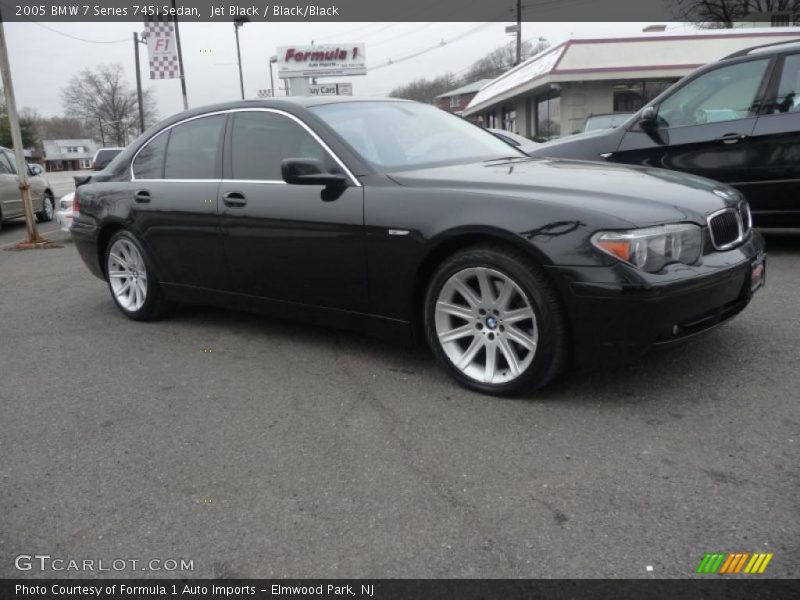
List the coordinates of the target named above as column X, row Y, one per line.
column 327, row 60
column 265, row 93
column 331, row 89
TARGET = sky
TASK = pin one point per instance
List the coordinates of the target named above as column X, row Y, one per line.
column 44, row 56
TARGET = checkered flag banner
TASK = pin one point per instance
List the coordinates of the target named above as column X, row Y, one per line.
column 162, row 49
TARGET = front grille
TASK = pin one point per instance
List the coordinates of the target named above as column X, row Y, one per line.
column 725, row 227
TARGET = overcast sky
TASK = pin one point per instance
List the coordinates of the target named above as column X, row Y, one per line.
column 43, row 56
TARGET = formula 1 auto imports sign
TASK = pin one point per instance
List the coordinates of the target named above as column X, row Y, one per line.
column 325, row 60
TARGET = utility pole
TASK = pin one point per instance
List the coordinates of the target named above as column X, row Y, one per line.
column 519, row 32
column 180, row 57
column 237, row 23
column 138, row 82
column 16, row 138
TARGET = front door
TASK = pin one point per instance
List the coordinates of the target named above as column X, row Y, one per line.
column 294, row 243
column 773, row 187
column 704, row 127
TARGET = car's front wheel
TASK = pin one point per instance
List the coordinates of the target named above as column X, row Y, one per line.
column 494, row 321
column 48, row 209
column 131, row 278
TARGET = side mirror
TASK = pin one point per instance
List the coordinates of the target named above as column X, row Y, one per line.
column 649, row 118
column 309, row 171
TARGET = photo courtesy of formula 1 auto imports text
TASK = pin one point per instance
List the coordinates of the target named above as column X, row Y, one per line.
column 400, row 300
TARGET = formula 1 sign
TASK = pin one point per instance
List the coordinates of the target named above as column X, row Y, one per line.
column 327, row 60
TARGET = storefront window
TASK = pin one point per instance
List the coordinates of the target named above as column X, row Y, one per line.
column 510, row 120
column 630, row 96
column 491, row 120
column 548, row 117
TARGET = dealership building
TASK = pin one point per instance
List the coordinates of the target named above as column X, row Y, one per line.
column 552, row 93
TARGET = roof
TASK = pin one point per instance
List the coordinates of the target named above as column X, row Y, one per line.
column 663, row 54
column 466, row 89
column 57, row 149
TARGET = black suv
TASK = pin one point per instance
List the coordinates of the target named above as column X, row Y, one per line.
column 736, row 120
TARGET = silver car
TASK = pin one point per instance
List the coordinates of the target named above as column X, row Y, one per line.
column 10, row 196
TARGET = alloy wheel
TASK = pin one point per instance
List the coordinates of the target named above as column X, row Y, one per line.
column 127, row 274
column 486, row 325
column 48, row 208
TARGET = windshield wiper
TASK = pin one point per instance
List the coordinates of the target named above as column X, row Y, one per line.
column 517, row 157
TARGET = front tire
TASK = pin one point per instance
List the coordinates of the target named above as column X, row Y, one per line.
column 493, row 320
column 48, row 209
column 131, row 278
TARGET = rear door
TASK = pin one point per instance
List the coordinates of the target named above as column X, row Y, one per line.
column 773, row 187
column 295, row 243
column 704, row 126
column 174, row 190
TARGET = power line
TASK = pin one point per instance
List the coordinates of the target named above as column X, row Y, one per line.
column 441, row 44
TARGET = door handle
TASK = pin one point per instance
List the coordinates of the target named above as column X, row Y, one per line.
column 234, row 199
column 731, row 138
column 142, row 196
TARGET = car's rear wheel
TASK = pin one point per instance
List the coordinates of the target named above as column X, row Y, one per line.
column 494, row 321
column 131, row 278
column 48, row 209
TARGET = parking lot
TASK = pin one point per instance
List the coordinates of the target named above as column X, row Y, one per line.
column 256, row 447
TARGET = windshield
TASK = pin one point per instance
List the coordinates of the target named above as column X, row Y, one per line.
column 605, row 121
column 400, row 135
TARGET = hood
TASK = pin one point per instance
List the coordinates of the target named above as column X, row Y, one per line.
column 639, row 195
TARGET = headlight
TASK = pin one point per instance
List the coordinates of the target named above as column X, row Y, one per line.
column 651, row 248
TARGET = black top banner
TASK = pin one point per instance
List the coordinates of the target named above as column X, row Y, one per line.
column 352, row 10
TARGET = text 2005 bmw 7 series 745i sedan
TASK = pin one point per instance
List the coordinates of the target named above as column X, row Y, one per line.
column 398, row 219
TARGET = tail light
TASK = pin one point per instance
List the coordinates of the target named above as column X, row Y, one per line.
column 76, row 205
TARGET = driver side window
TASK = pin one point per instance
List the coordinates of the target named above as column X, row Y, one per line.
column 724, row 94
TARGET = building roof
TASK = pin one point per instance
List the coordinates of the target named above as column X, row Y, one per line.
column 57, row 149
column 466, row 89
column 653, row 54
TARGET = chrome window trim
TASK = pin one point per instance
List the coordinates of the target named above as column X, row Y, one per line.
column 297, row 120
column 147, row 143
column 737, row 215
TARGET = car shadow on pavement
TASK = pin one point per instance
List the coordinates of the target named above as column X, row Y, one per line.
column 782, row 240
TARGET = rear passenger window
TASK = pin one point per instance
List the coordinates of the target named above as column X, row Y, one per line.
column 192, row 149
column 260, row 141
column 788, row 99
column 149, row 163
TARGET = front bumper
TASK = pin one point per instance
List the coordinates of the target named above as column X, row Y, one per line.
column 619, row 312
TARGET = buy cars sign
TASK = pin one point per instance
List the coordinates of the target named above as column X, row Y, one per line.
column 321, row 61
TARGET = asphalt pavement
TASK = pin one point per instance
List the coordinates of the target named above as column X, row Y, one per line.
column 257, row 447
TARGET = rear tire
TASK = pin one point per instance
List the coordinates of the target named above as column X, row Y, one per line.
column 493, row 320
column 132, row 279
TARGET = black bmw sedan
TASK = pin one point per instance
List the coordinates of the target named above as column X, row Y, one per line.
column 399, row 219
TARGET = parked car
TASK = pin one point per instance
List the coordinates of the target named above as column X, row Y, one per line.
column 736, row 120
column 326, row 209
column 10, row 196
column 514, row 139
column 65, row 210
column 605, row 121
column 104, row 156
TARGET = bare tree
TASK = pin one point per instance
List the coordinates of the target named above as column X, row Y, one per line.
column 62, row 128
column 492, row 65
column 501, row 59
column 104, row 100
column 725, row 13
column 425, row 90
